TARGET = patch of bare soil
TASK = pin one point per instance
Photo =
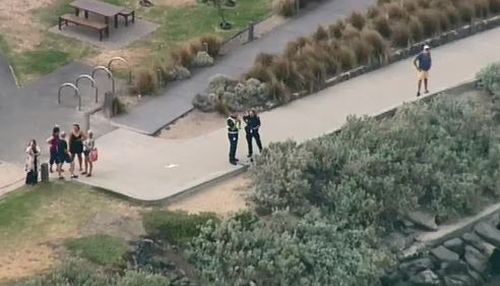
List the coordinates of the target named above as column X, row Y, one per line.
column 26, row 261
column 18, row 24
column 193, row 124
column 222, row 199
column 128, row 227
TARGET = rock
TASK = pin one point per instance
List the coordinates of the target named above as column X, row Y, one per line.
column 391, row 278
column 453, row 268
column 455, row 245
column 476, row 276
column 443, row 254
column 458, row 280
column 488, row 233
column 476, row 260
column 425, row 278
column 475, row 241
column 412, row 267
column 423, row 219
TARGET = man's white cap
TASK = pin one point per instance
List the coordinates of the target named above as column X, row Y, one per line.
column 426, row 47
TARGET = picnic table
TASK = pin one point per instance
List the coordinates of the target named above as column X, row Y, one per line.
column 100, row 8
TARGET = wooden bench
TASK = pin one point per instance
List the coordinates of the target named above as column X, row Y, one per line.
column 70, row 18
column 128, row 13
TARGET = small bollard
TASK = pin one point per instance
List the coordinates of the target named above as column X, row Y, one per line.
column 44, row 170
column 251, row 27
column 108, row 104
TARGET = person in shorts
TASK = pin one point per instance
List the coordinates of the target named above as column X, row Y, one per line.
column 423, row 63
column 88, row 147
column 65, row 157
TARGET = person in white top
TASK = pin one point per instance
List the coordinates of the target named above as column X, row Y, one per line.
column 88, row 147
column 32, row 154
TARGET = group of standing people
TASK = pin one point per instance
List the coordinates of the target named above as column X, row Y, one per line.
column 252, row 121
column 63, row 151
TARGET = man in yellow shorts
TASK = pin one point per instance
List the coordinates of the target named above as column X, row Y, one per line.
column 423, row 63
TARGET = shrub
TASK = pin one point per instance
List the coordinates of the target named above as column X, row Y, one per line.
column 284, row 8
column 345, row 57
column 430, row 155
column 144, row 84
column 452, row 14
column 214, row 43
column 350, row 33
column 264, row 59
column 286, row 71
column 183, row 56
column 101, row 249
column 260, row 72
column 430, row 23
column 279, row 91
column 373, row 12
column 443, row 20
column 357, row 20
column 375, row 40
column 336, row 30
column 494, row 6
column 176, row 227
column 321, row 34
column 284, row 250
column 410, row 6
column 466, row 11
column 489, row 78
column 481, row 8
column 400, row 34
column 291, row 50
column 416, row 29
column 395, row 11
column 424, row 3
column 381, row 24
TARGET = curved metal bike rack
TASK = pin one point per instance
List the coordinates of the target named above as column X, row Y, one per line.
column 77, row 93
column 108, row 72
column 92, row 83
column 120, row 59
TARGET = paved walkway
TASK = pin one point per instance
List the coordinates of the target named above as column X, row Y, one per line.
column 149, row 168
column 159, row 111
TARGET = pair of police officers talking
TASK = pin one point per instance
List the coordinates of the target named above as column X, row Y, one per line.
column 252, row 122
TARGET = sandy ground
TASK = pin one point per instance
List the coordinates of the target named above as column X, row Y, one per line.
column 18, row 24
column 26, row 261
column 223, row 199
column 193, row 124
column 10, row 177
column 174, row 3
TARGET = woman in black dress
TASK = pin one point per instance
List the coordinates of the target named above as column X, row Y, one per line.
column 76, row 144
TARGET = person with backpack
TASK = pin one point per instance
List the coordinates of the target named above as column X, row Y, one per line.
column 32, row 154
column 423, row 63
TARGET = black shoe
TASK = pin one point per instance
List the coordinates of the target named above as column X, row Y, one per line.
column 249, row 156
column 418, row 93
column 233, row 162
column 426, row 91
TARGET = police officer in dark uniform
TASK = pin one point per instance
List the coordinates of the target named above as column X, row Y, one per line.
column 233, row 127
column 252, row 121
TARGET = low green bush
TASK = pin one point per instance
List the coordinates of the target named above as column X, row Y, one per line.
column 443, row 156
column 285, row 250
column 104, row 250
column 176, row 227
column 489, row 78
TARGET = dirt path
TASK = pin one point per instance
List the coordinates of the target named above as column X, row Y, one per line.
column 223, row 199
column 193, row 124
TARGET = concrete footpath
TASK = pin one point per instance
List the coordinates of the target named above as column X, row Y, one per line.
column 147, row 168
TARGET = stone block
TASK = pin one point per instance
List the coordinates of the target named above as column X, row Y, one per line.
column 455, row 245
column 488, row 232
column 476, row 260
column 443, row 254
column 412, row 267
column 423, row 219
column 425, row 278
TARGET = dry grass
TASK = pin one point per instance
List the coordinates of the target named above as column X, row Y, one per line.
column 284, row 8
column 400, row 34
column 357, row 20
column 381, row 24
column 321, row 34
column 336, row 30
